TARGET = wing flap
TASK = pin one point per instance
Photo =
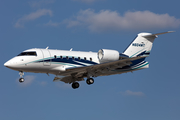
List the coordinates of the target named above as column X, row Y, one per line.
column 67, row 79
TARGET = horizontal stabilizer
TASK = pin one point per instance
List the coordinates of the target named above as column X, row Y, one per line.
column 155, row 35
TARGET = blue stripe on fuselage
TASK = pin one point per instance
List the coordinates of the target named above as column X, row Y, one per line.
column 70, row 61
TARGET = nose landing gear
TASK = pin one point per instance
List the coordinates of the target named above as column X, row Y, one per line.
column 21, row 79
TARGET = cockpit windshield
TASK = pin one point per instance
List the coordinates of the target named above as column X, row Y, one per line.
column 29, row 53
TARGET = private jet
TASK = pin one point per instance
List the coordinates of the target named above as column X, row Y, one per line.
column 74, row 66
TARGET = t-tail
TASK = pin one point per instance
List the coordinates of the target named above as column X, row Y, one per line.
column 141, row 46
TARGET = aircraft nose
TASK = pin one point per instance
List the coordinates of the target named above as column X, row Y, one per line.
column 12, row 63
column 9, row 64
column 6, row 64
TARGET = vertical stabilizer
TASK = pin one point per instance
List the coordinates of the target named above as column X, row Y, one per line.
column 142, row 44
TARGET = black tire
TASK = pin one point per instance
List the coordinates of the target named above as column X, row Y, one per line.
column 90, row 81
column 75, row 85
column 21, row 80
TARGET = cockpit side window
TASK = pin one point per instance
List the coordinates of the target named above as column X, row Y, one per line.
column 30, row 53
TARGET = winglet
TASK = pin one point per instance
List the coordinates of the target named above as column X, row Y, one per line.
column 47, row 47
column 155, row 35
column 71, row 49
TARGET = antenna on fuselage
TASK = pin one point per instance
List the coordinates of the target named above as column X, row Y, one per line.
column 71, row 49
column 47, row 47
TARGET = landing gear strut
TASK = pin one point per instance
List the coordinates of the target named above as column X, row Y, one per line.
column 75, row 85
column 21, row 79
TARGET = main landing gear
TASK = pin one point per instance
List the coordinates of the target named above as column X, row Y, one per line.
column 90, row 81
column 76, row 85
column 21, row 79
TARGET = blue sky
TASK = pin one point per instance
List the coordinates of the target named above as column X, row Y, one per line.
column 90, row 25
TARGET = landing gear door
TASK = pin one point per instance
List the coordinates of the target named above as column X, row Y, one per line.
column 46, row 57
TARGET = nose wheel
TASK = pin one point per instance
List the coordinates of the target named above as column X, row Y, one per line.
column 21, row 79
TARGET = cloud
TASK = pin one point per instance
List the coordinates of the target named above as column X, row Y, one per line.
column 54, row 24
column 131, row 93
column 63, row 85
column 107, row 20
column 32, row 16
column 86, row 1
column 43, row 83
column 28, row 80
column 37, row 4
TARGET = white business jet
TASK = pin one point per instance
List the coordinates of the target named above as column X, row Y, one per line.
column 73, row 66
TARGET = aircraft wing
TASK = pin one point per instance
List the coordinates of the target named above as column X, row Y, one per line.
column 78, row 74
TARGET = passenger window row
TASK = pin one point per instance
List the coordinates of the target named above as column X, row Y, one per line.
column 79, row 58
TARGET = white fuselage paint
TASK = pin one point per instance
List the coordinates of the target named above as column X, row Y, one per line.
column 52, row 61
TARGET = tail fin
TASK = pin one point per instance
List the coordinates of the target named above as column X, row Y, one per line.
column 142, row 44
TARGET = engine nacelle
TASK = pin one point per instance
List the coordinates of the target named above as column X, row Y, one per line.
column 105, row 55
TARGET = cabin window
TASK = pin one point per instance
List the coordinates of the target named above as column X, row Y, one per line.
column 90, row 59
column 84, row 58
column 67, row 57
column 61, row 57
column 79, row 58
column 55, row 56
column 30, row 53
column 73, row 57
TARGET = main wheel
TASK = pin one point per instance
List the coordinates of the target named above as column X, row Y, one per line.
column 90, row 81
column 75, row 85
column 21, row 80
